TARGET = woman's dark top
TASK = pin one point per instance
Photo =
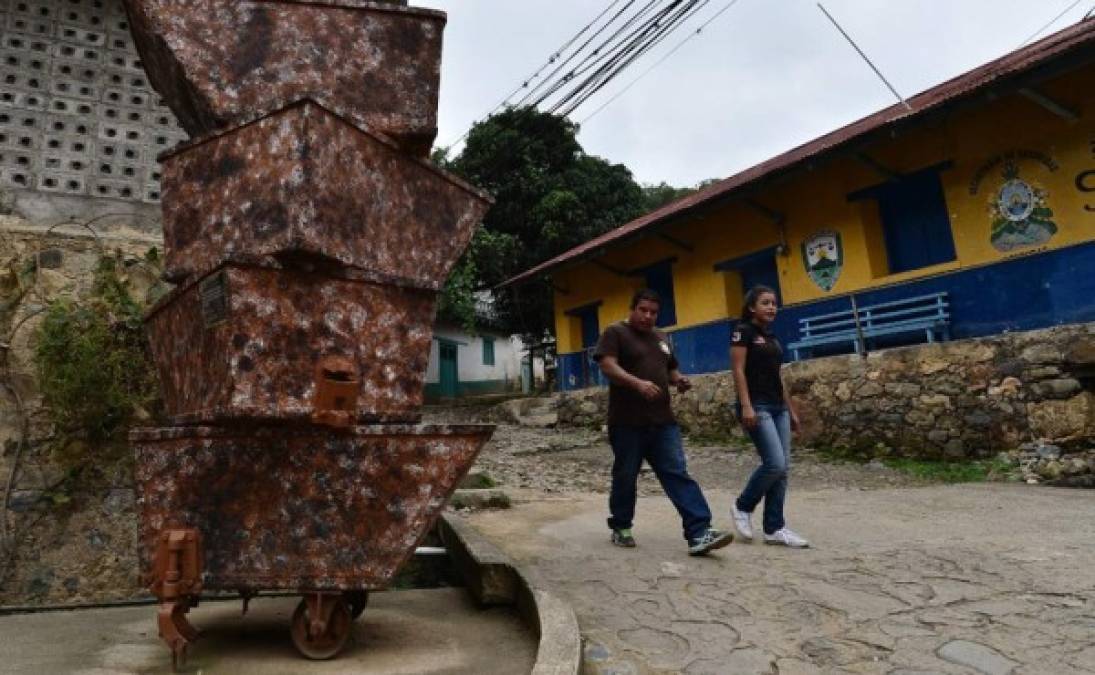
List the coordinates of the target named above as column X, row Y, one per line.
column 763, row 358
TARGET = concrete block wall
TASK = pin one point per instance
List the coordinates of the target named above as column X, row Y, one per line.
column 78, row 117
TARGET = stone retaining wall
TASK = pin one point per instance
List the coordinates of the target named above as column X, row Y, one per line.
column 705, row 409
column 966, row 398
column 59, row 542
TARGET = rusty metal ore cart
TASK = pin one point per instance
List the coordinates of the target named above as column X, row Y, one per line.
column 333, row 515
column 309, row 239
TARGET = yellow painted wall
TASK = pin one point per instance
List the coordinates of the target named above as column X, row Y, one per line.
column 818, row 200
column 700, row 293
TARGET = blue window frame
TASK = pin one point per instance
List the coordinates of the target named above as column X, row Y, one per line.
column 488, row 351
column 659, row 278
column 915, row 223
column 591, row 327
column 760, row 272
column 591, row 332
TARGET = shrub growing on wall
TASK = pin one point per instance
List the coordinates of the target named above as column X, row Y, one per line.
column 94, row 368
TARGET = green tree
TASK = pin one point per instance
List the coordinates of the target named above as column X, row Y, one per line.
column 657, row 196
column 549, row 197
column 94, row 367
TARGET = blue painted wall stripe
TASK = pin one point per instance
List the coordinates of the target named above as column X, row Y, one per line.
column 1036, row 291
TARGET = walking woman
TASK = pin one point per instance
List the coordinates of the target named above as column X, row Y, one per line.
column 766, row 412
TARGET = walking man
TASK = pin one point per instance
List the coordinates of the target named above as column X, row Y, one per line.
column 640, row 367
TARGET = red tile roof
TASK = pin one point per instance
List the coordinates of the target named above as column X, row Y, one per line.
column 1072, row 40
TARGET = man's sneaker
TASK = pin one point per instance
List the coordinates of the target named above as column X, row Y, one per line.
column 709, row 541
column 743, row 522
column 786, row 537
column 623, row 538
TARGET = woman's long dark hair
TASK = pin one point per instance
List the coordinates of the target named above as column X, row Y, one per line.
column 751, row 299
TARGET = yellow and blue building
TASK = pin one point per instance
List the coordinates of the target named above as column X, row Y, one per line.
column 981, row 189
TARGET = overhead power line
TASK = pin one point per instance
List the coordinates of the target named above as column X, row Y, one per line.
column 600, row 52
column 1054, row 20
column 639, row 47
column 555, row 56
column 558, row 53
column 555, row 84
column 620, row 46
column 660, row 61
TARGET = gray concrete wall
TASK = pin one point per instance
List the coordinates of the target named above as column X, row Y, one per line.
column 78, row 118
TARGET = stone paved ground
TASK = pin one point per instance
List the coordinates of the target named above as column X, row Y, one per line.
column 988, row 578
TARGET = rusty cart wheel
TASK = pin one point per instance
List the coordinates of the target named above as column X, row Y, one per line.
column 331, row 640
column 357, row 600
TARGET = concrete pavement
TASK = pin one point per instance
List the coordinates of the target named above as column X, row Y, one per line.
column 437, row 631
column 976, row 578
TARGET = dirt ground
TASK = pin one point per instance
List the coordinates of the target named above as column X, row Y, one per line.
column 580, row 461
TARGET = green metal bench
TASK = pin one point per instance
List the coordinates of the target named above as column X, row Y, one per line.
column 929, row 314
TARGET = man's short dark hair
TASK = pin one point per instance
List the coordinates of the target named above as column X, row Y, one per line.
column 645, row 294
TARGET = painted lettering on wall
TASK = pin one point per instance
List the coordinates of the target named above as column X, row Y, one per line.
column 1013, row 157
column 1085, row 180
column 1018, row 207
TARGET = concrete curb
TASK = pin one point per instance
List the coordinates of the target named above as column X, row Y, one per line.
column 493, row 579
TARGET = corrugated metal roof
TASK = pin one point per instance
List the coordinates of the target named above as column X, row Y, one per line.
column 1068, row 41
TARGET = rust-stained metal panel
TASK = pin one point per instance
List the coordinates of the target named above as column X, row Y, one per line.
column 218, row 63
column 245, row 342
column 303, row 180
column 299, row 508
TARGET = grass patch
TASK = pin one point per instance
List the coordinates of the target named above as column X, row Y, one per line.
column 931, row 470
column 716, row 438
column 478, row 481
column 964, row 471
column 838, row 454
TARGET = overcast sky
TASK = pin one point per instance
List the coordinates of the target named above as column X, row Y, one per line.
column 766, row 76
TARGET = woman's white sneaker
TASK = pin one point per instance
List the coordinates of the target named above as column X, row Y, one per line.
column 785, row 537
column 743, row 523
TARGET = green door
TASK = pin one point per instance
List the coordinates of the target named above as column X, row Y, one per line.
column 449, row 377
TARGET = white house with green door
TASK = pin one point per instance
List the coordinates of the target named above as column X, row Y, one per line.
column 463, row 365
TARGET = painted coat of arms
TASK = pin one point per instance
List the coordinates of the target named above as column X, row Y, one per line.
column 823, row 255
column 1020, row 214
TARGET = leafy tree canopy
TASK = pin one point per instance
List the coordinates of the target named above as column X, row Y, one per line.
column 657, row 196
column 549, row 197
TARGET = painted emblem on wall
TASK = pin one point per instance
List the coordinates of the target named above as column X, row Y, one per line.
column 823, row 256
column 1018, row 207
column 1020, row 215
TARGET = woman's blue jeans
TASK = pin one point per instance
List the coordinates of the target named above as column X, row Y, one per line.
column 772, row 436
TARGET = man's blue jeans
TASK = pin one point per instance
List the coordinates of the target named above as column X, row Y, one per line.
column 772, row 436
column 662, row 448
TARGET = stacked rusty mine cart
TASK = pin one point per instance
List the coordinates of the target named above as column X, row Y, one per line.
column 309, row 237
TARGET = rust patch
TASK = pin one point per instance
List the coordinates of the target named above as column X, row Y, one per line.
column 337, row 387
column 299, row 508
column 255, row 355
column 218, row 63
column 303, row 180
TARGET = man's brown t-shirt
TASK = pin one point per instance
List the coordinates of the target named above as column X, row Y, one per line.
column 647, row 356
